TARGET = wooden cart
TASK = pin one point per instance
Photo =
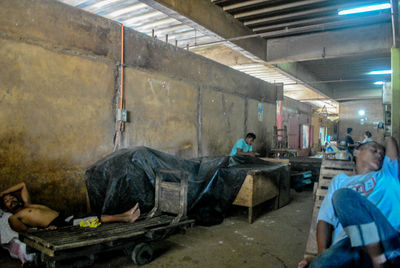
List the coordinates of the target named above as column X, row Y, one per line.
column 77, row 247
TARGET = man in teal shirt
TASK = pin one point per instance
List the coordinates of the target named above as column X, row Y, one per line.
column 244, row 146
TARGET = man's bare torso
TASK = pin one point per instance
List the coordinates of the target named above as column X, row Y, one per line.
column 34, row 215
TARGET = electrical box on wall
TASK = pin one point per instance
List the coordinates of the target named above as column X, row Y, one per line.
column 122, row 115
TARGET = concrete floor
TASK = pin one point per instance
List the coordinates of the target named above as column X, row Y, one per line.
column 275, row 239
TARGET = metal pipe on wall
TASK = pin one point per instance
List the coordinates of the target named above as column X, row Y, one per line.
column 118, row 134
column 395, row 22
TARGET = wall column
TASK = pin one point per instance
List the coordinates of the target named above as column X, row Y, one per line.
column 395, row 55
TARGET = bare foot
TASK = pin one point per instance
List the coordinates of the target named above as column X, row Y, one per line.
column 132, row 210
column 305, row 262
column 134, row 216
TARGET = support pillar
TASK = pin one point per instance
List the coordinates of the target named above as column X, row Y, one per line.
column 395, row 55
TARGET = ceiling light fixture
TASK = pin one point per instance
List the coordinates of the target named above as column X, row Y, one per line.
column 365, row 9
column 381, row 72
column 379, row 83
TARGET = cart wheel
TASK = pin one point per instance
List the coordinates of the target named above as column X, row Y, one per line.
column 142, row 254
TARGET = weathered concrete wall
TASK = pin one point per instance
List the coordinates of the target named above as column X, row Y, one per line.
column 55, row 115
column 59, row 83
column 349, row 117
column 163, row 113
column 262, row 125
column 319, row 121
column 295, row 114
column 223, row 119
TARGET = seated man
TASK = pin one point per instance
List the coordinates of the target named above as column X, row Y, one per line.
column 26, row 216
column 244, row 146
column 362, row 212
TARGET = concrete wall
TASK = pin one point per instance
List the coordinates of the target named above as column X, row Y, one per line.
column 319, row 121
column 349, row 117
column 59, row 88
column 294, row 115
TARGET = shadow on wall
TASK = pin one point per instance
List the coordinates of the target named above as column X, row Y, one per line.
column 263, row 145
column 54, row 183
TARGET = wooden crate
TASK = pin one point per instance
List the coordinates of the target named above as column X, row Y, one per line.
column 329, row 169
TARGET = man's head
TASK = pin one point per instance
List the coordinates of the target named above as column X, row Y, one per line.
column 10, row 202
column 349, row 130
column 369, row 155
column 367, row 134
column 250, row 137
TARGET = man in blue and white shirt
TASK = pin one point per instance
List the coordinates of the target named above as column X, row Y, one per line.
column 359, row 219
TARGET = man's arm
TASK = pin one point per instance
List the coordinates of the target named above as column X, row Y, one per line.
column 240, row 152
column 391, row 148
column 17, row 225
column 324, row 235
column 19, row 187
column 324, row 240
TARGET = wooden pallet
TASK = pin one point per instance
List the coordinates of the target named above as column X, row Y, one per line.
column 329, row 169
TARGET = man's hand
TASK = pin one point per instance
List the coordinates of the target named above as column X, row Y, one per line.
column 391, row 148
column 305, row 262
column 253, row 154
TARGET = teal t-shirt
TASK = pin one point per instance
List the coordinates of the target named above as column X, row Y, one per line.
column 381, row 187
column 241, row 144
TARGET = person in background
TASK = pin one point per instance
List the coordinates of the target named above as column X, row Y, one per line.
column 349, row 141
column 367, row 137
column 244, row 146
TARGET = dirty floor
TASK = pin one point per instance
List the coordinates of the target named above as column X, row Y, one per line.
column 275, row 239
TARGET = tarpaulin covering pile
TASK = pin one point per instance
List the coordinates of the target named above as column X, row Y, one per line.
column 119, row 180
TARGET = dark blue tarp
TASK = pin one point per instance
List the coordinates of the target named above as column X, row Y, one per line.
column 119, row 180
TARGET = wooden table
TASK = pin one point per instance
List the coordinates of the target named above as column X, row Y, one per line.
column 259, row 187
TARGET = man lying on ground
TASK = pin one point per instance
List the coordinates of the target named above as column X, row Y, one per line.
column 27, row 216
column 362, row 212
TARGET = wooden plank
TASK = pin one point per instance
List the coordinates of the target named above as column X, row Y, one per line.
column 255, row 190
column 263, row 189
column 72, row 237
column 329, row 173
column 321, row 192
column 245, row 195
column 278, row 160
column 311, row 246
column 38, row 247
column 324, row 183
column 170, row 185
column 339, row 164
column 63, row 233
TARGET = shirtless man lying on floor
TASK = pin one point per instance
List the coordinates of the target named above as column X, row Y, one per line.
column 27, row 217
